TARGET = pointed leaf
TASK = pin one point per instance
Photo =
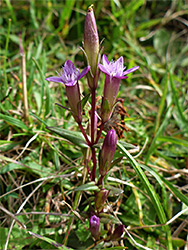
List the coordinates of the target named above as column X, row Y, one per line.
column 13, row 121
column 75, row 137
column 87, row 187
column 50, row 241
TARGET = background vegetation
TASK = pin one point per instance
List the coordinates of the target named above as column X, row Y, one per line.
column 40, row 169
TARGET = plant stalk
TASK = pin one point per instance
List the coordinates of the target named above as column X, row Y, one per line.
column 92, row 116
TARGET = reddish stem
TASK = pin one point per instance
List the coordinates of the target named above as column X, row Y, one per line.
column 92, row 116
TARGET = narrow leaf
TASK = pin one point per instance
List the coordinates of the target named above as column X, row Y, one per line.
column 13, row 121
column 75, row 137
column 87, row 187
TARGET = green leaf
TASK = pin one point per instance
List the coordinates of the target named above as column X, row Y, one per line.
column 38, row 118
column 87, row 187
column 50, row 241
column 176, row 99
column 7, row 145
column 13, row 121
column 173, row 140
column 158, row 133
column 44, row 84
column 165, row 81
column 174, row 190
column 82, row 233
column 75, row 137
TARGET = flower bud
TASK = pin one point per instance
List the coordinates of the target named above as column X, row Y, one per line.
column 94, row 226
column 117, row 232
column 107, row 152
column 100, row 199
column 91, row 45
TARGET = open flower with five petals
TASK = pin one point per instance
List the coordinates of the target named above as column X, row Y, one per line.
column 69, row 76
column 114, row 72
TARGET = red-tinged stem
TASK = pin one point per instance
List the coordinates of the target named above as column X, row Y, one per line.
column 99, row 133
column 92, row 116
column 94, row 164
column 93, row 93
column 84, row 134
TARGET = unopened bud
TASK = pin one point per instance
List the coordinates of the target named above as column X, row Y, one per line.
column 107, row 152
column 91, row 45
column 94, row 226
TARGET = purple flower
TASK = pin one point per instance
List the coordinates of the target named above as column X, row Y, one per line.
column 115, row 69
column 69, row 76
column 107, row 152
column 94, row 226
column 114, row 72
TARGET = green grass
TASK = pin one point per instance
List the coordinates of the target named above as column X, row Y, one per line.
column 43, row 172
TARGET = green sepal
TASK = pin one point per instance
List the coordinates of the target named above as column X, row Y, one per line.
column 84, row 101
column 73, row 136
column 106, row 106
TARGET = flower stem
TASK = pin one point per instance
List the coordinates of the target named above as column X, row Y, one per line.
column 92, row 116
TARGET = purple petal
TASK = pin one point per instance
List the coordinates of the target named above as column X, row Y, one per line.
column 69, row 64
column 120, row 62
column 84, row 72
column 105, row 60
column 54, row 79
column 130, row 70
column 103, row 69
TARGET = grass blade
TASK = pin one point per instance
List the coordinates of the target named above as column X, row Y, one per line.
column 176, row 99
column 14, row 122
column 151, row 192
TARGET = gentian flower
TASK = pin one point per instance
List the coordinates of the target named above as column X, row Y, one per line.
column 107, row 152
column 91, row 46
column 69, row 76
column 94, row 226
column 114, row 72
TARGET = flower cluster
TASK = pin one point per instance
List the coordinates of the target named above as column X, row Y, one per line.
column 114, row 72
